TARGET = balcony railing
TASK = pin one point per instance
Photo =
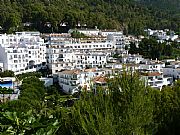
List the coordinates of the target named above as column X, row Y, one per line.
column 73, row 78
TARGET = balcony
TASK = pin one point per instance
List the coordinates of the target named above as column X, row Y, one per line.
column 73, row 78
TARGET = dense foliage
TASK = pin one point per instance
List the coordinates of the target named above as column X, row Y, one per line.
column 126, row 107
column 7, row 73
column 76, row 34
column 48, row 15
column 27, row 75
column 150, row 48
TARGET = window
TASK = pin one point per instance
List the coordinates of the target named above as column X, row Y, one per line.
column 14, row 51
column 15, row 56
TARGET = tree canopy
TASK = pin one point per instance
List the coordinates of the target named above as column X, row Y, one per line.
column 126, row 106
column 49, row 15
column 151, row 48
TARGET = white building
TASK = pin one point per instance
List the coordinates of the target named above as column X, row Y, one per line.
column 90, row 46
column 153, row 66
column 75, row 80
column 73, row 60
column 162, row 34
column 72, row 81
column 77, row 54
column 118, row 40
column 105, row 33
column 22, row 51
column 58, row 38
column 172, row 70
column 134, row 58
column 156, row 80
column 55, row 50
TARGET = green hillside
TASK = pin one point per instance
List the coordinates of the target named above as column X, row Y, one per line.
column 171, row 5
column 128, row 15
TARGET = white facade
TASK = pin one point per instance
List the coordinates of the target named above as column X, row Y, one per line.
column 20, row 52
column 1, row 67
column 118, row 40
column 174, row 72
column 78, row 60
column 162, row 34
column 135, row 58
column 154, row 66
column 157, row 80
column 105, row 33
column 173, row 69
column 77, row 53
column 90, row 46
column 72, row 81
column 83, row 60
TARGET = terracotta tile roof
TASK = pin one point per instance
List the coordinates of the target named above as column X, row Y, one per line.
column 74, row 71
column 90, row 70
column 150, row 74
column 100, row 79
column 153, row 74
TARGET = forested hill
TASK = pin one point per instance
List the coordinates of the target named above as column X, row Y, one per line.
column 47, row 15
column 171, row 5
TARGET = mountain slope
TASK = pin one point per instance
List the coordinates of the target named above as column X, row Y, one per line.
column 168, row 5
column 128, row 15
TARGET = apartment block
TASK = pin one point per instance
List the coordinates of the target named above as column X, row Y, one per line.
column 22, row 51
